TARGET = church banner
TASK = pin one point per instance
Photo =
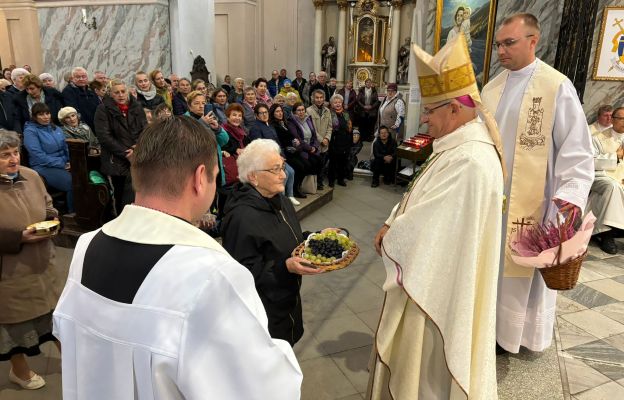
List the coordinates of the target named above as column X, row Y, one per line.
column 609, row 61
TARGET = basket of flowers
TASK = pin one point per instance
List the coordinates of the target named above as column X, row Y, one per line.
column 556, row 250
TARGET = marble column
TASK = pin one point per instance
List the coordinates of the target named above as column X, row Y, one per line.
column 318, row 33
column 342, row 40
column 191, row 32
column 419, row 35
column 394, row 39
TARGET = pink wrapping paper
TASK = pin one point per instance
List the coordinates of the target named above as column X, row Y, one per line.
column 571, row 248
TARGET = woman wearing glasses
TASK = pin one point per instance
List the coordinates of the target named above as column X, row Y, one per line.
column 260, row 230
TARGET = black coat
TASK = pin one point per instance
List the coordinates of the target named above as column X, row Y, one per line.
column 261, row 234
column 53, row 99
column 179, row 103
column 8, row 119
column 299, row 87
column 150, row 104
column 117, row 134
column 381, row 150
column 84, row 100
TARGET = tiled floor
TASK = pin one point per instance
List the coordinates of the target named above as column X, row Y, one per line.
column 341, row 311
column 591, row 328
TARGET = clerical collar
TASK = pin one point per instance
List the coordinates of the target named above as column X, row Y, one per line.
column 528, row 70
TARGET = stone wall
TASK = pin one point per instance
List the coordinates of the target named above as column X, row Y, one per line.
column 128, row 38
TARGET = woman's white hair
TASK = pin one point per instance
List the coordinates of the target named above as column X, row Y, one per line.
column 291, row 95
column 254, row 157
column 17, row 72
column 336, row 97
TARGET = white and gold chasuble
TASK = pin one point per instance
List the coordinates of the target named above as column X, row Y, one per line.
column 437, row 331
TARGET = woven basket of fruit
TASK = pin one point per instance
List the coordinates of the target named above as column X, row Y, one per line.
column 328, row 251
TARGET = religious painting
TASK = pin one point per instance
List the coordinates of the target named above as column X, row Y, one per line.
column 609, row 61
column 475, row 19
column 366, row 37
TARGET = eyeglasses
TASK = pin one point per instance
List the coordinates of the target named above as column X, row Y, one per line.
column 508, row 42
column 263, row 113
column 275, row 170
column 431, row 110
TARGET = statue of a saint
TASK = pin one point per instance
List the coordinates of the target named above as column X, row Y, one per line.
column 200, row 71
column 404, row 56
column 328, row 55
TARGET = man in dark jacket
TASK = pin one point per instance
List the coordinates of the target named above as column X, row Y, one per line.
column 321, row 83
column 7, row 114
column 275, row 84
column 299, row 83
column 17, row 74
column 349, row 97
column 384, row 157
column 366, row 110
column 78, row 95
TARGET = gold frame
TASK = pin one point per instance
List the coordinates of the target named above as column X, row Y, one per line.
column 598, row 52
column 488, row 39
column 378, row 54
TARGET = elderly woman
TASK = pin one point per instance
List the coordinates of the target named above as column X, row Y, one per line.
column 303, row 134
column 47, row 151
column 146, row 91
column 197, row 105
column 180, row 105
column 34, row 92
column 260, row 230
column 17, row 74
column 291, row 100
column 262, row 129
column 340, row 143
column 48, row 80
column 249, row 104
column 30, row 284
column 262, row 92
column 158, row 79
column 119, row 121
column 237, row 93
column 76, row 129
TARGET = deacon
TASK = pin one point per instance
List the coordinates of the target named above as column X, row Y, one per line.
column 547, row 151
column 606, row 198
column 440, row 247
column 156, row 309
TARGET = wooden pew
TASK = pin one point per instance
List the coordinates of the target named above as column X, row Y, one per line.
column 90, row 199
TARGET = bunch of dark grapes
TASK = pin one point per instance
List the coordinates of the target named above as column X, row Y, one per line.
column 326, row 247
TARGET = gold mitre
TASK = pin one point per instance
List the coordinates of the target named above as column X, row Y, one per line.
column 448, row 74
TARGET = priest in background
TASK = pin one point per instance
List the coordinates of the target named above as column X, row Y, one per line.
column 547, row 151
column 440, row 247
column 606, row 198
column 603, row 122
column 154, row 307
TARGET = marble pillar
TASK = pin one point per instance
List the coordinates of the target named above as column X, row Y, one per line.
column 128, row 38
column 342, row 42
column 318, row 34
column 395, row 39
column 412, row 120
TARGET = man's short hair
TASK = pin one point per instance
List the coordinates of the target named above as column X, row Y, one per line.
column 77, row 70
column 317, row 91
column 9, row 139
column 167, row 154
column 529, row 20
column 605, row 109
column 615, row 111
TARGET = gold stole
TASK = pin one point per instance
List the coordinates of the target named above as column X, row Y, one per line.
column 530, row 163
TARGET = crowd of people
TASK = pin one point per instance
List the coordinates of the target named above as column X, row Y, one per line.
column 232, row 162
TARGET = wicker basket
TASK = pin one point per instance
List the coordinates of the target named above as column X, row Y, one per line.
column 563, row 276
column 338, row 264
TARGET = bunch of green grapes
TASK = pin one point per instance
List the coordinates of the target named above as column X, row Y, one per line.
column 326, row 247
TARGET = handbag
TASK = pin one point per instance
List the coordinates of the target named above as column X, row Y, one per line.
column 231, row 170
column 308, row 185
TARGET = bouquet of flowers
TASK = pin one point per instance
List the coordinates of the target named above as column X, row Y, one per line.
column 557, row 250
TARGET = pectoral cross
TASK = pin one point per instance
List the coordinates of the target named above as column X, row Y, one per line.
column 522, row 224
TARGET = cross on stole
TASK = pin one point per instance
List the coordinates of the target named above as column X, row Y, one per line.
column 521, row 223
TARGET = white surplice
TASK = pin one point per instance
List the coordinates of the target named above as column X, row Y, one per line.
column 196, row 328
column 526, row 307
column 437, row 330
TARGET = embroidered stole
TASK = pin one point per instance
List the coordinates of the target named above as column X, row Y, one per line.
column 530, row 163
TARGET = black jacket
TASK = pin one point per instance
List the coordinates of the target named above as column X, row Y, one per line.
column 261, row 235
column 84, row 100
column 325, row 88
column 117, row 134
column 150, row 104
column 8, row 119
column 381, row 150
column 53, row 99
column 179, row 104
column 299, row 87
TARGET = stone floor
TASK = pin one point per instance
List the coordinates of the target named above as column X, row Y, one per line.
column 341, row 311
